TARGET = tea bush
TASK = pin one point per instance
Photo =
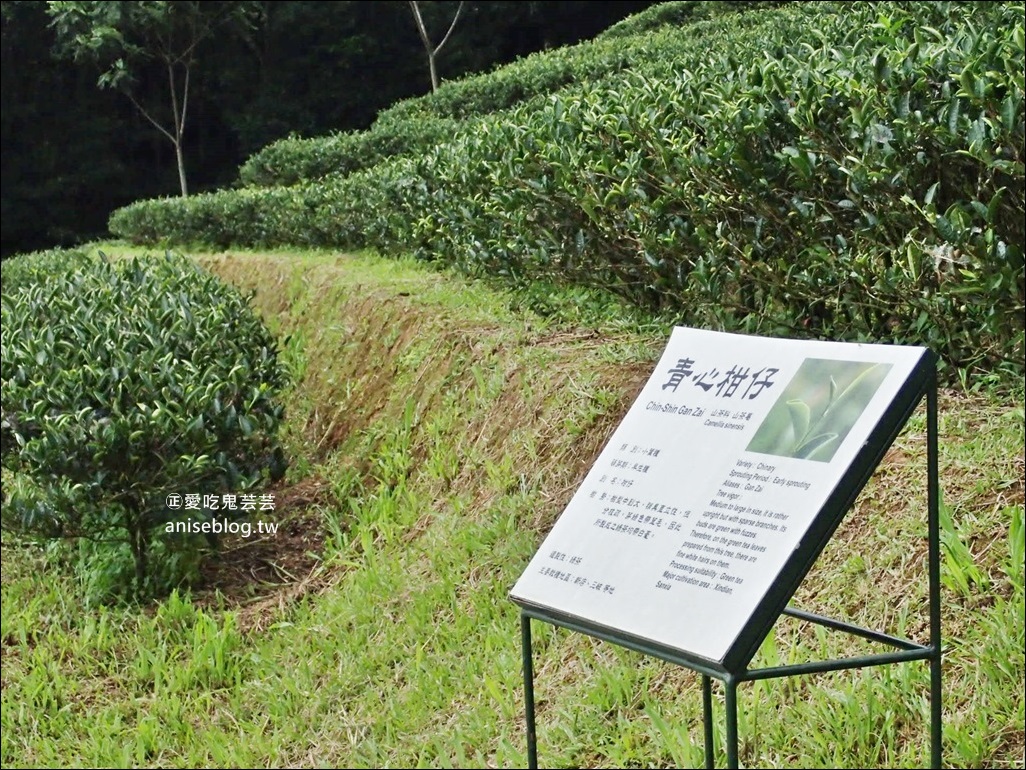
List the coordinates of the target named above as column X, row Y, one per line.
column 123, row 382
column 294, row 160
column 679, row 13
column 252, row 216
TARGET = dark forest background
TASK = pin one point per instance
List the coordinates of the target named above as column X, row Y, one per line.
column 72, row 152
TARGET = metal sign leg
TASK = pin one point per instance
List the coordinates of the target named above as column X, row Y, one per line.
column 532, row 741
column 730, row 701
column 710, row 746
column 933, row 501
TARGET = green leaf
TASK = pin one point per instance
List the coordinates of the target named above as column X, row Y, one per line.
column 977, row 134
column 820, row 444
column 994, row 205
column 801, row 415
column 945, row 229
column 971, row 85
column 931, row 193
column 954, row 113
column 1009, row 110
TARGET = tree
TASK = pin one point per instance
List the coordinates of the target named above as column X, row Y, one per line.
column 432, row 50
column 125, row 40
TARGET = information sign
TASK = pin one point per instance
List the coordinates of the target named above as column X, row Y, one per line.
column 721, row 484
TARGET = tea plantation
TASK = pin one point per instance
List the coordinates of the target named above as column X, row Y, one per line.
column 417, row 338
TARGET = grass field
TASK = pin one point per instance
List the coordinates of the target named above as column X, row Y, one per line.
column 437, row 430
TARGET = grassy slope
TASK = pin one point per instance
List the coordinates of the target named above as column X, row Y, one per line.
column 437, row 436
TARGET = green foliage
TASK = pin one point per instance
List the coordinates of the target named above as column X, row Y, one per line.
column 120, row 37
column 818, row 408
column 852, row 171
column 256, row 216
column 679, row 13
column 24, row 272
column 124, row 382
column 294, row 160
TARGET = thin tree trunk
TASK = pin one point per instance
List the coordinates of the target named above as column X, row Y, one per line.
column 137, row 540
column 432, row 51
column 434, row 71
column 181, row 168
column 178, row 115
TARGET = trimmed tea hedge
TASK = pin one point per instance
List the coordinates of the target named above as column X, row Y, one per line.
column 678, row 14
column 294, row 160
column 124, row 382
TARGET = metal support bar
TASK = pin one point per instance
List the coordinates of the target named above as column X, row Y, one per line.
column 933, row 502
column 822, row 666
column 532, row 740
column 730, row 701
column 630, row 643
column 865, row 633
column 710, row 747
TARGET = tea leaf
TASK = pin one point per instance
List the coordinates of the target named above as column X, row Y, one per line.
column 824, row 442
column 800, row 418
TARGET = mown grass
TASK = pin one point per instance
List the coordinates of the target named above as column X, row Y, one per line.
column 446, row 430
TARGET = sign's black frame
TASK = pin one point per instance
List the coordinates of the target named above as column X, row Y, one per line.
column 733, row 668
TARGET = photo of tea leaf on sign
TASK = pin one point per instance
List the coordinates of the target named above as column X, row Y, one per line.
column 818, row 408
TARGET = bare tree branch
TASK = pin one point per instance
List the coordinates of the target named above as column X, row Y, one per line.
column 433, row 51
column 149, row 117
column 459, row 10
column 420, row 24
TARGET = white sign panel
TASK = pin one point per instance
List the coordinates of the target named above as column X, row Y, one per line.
column 710, row 483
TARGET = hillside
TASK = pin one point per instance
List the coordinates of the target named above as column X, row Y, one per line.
column 436, row 433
